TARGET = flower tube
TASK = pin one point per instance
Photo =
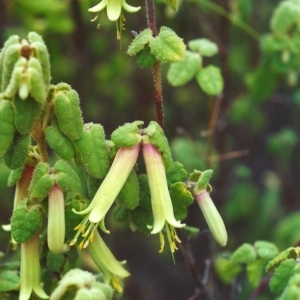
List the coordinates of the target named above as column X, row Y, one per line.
column 160, row 197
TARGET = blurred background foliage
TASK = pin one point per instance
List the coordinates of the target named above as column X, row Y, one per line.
column 249, row 135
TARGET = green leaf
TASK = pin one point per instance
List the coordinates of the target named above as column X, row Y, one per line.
column 292, row 290
column 140, row 41
column 183, row 71
column 25, row 223
column 283, row 274
column 127, row 135
column 181, row 200
column 93, row 150
column 145, row 59
column 129, row 194
column 172, row 3
column 14, row 176
column 7, row 126
column 285, row 16
column 167, row 46
column 120, row 213
column 55, row 262
column 65, row 177
column 227, row 269
column 16, row 155
column 244, row 254
column 176, row 173
column 203, row 46
column 266, row 250
column 210, row 80
column 68, row 114
column 59, row 143
column 255, row 270
column 9, row 280
column 26, row 112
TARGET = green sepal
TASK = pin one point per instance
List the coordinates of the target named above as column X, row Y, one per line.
column 227, row 269
column 25, row 223
column 210, row 80
column 140, row 41
column 93, row 150
column 181, row 200
column 158, row 139
column 282, row 275
column 59, row 143
column 78, row 203
column 204, row 179
column 127, row 135
column 203, row 46
column 292, row 252
column 255, row 270
column 9, row 281
column 120, row 213
column 14, row 176
column 184, row 70
column 266, row 250
column 26, row 112
column 41, row 53
column 129, row 194
column 244, row 254
column 65, row 177
column 11, row 54
column 167, row 47
column 37, row 86
column 41, row 182
column 7, row 127
column 55, row 262
column 68, row 114
column 194, row 176
column 16, row 154
column 176, row 173
column 145, row 59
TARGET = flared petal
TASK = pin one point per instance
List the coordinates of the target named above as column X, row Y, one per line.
column 129, row 8
column 100, row 6
column 114, row 8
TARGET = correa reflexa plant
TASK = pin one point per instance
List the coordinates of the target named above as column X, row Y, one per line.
column 71, row 180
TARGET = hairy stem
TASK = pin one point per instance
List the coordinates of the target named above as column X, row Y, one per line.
column 39, row 135
column 156, row 67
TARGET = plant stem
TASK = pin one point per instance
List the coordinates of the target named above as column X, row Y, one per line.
column 156, row 67
column 39, row 135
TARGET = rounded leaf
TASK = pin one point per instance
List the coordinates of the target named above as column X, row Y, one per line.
column 244, row 254
column 210, row 80
column 204, row 47
column 25, row 223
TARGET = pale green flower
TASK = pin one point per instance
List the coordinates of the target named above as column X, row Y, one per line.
column 30, row 270
column 160, row 197
column 120, row 169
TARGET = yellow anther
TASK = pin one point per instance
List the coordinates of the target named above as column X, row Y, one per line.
column 162, row 242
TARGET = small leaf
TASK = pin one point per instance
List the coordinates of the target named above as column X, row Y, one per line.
column 181, row 200
column 244, row 254
column 65, row 177
column 145, row 59
column 282, row 275
column 140, row 41
column 93, row 150
column 227, row 269
column 129, row 194
column 172, row 3
column 255, row 270
column 210, row 80
column 266, row 250
column 120, row 213
column 203, row 46
column 25, row 223
column 14, row 176
column 167, row 46
column 183, row 71
column 55, row 262
column 176, row 173
column 127, row 135
column 9, row 280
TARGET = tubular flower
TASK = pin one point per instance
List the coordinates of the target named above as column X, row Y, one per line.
column 56, row 220
column 212, row 217
column 120, row 169
column 106, row 262
column 30, row 270
column 160, row 197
